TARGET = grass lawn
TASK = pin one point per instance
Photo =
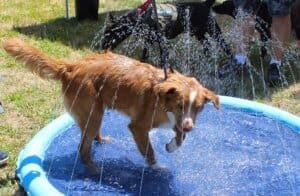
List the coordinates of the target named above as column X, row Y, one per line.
column 30, row 102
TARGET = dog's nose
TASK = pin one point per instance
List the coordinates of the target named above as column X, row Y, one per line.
column 187, row 125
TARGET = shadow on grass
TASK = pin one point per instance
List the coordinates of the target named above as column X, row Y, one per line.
column 73, row 33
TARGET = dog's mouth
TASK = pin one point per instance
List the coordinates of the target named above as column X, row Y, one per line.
column 186, row 130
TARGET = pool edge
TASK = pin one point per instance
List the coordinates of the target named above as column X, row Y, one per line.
column 263, row 109
column 29, row 164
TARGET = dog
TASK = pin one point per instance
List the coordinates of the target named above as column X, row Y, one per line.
column 172, row 22
column 263, row 19
column 108, row 80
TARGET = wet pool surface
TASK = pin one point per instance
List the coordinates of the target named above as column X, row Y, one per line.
column 228, row 152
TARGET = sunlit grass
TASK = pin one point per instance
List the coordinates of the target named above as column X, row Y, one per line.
column 29, row 101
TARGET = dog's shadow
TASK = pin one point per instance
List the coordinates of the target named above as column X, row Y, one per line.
column 115, row 175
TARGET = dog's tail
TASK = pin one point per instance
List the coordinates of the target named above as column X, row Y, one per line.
column 210, row 3
column 36, row 61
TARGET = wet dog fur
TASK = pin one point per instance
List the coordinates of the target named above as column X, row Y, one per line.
column 101, row 81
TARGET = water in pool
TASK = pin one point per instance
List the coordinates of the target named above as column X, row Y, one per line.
column 229, row 152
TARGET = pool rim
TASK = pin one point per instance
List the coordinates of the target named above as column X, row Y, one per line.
column 29, row 164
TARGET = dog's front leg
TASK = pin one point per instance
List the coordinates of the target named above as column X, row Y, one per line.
column 141, row 137
column 176, row 142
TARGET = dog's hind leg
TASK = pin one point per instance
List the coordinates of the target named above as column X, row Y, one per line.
column 89, row 121
column 100, row 138
column 141, row 137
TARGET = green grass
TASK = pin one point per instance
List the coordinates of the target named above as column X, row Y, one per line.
column 30, row 102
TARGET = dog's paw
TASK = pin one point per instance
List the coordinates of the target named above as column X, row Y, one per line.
column 172, row 146
column 159, row 167
column 93, row 169
column 102, row 139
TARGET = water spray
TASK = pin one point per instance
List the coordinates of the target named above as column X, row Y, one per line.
column 161, row 42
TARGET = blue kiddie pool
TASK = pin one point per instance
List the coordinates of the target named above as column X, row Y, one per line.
column 245, row 148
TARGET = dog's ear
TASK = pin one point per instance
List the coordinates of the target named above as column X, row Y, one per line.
column 210, row 96
column 171, row 92
column 168, row 92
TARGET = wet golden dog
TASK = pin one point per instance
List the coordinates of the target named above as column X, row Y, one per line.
column 109, row 80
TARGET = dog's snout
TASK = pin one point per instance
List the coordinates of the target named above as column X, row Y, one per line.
column 187, row 124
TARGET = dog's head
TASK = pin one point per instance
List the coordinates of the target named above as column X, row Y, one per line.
column 118, row 29
column 183, row 98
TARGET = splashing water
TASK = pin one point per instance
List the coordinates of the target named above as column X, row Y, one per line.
column 245, row 154
column 219, row 150
column 187, row 38
column 188, row 56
